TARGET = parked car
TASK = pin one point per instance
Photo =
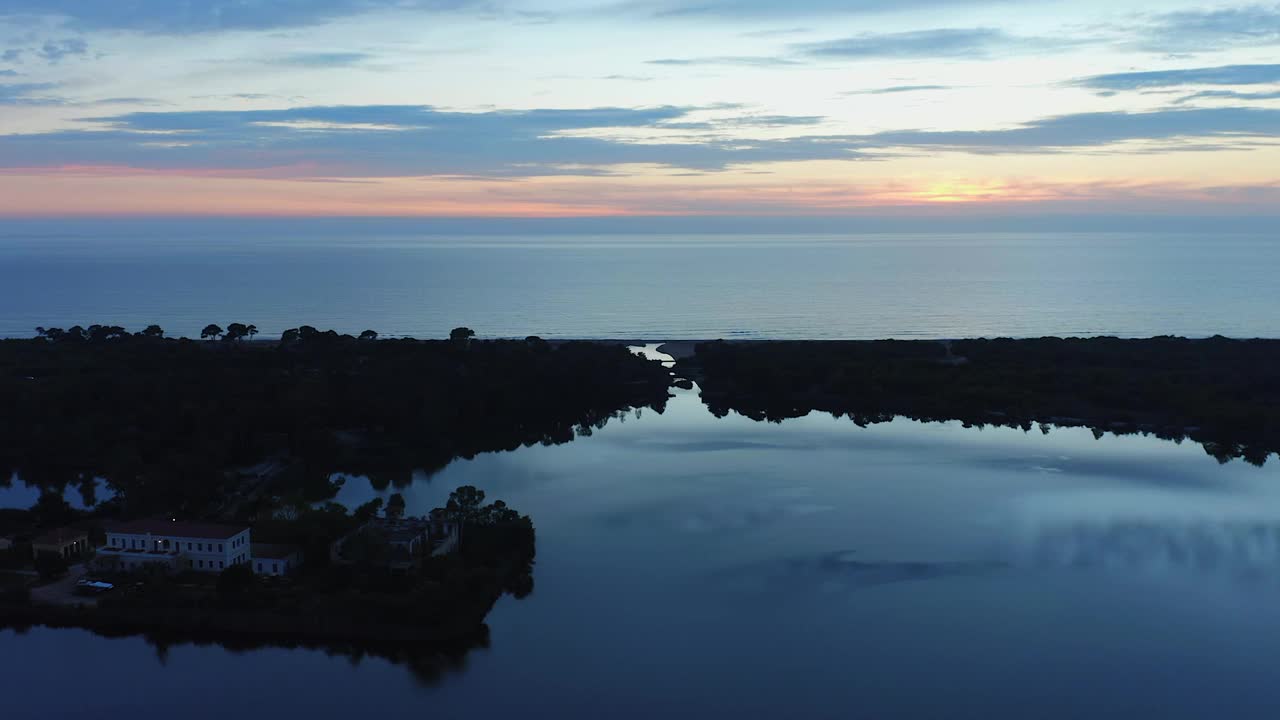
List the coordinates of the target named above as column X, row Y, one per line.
column 85, row 586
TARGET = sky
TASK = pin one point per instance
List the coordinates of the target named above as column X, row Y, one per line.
column 604, row 108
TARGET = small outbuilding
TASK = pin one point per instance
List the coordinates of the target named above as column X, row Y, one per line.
column 67, row 543
column 275, row 560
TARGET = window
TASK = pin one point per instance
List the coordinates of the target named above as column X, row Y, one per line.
column 219, row 564
column 259, row 567
column 188, row 546
column 219, row 547
column 201, row 564
column 275, row 568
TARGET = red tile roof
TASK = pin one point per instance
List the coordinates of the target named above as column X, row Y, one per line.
column 175, row 528
column 60, row 536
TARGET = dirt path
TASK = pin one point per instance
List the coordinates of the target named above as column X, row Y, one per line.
column 63, row 590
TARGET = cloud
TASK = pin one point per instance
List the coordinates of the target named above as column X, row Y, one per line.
column 1229, row 95
column 193, row 16
column 1210, row 30
column 416, row 141
column 56, row 50
column 746, row 121
column 322, row 59
column 776, row 32
column 942, row 42
column 755, row 61
column 51, row 51
column 28, row 94
column 385, row 141
column 1098, row 130
column 1222, row 75
column 8, row 73
column 894, row 89
column 128, row 101
column 749, row 9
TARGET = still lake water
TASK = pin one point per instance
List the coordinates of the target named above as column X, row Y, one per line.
column 351, row 278
column 694, row 567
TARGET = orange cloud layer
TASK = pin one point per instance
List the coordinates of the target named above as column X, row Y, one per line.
column 114, row 191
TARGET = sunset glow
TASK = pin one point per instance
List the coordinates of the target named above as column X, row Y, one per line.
column 477, row 110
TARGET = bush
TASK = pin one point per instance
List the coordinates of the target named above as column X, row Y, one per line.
column 235, row 579
column 50, row 565
column 15, row 595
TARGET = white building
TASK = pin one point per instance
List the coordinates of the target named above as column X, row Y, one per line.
column 175, row 545
column 275, row 559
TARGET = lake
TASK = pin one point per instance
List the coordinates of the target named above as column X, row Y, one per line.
column 693, row 567
column 398, row 281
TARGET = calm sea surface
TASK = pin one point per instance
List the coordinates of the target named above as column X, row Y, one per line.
column 186, row 275
column 694, row 567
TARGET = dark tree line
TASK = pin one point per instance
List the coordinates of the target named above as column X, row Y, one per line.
column 1219, row 392
column 164, row 419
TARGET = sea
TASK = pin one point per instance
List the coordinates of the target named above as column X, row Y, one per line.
column 400, row 281
column 690, row 566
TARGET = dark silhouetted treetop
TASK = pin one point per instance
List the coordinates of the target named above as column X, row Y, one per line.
column 1219, row 392
column 163, row 419
column 464, row 504
column 236, row 331
column 210, row 332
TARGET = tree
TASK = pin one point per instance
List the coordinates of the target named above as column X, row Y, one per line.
column 103, row 333
column 235, row 579
column 52, row 508
column 462, row 335
column 236, row 331
column 395, row 506
column 251, row 331
column 368, row 335
column 368, row 510
column 152, row 331
column 498, row 513
column 464, row 504
column 210, row 332
column 50, row 565
column 290, row 336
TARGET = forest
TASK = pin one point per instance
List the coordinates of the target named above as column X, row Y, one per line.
column 171, row 423
column 1217, row 391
